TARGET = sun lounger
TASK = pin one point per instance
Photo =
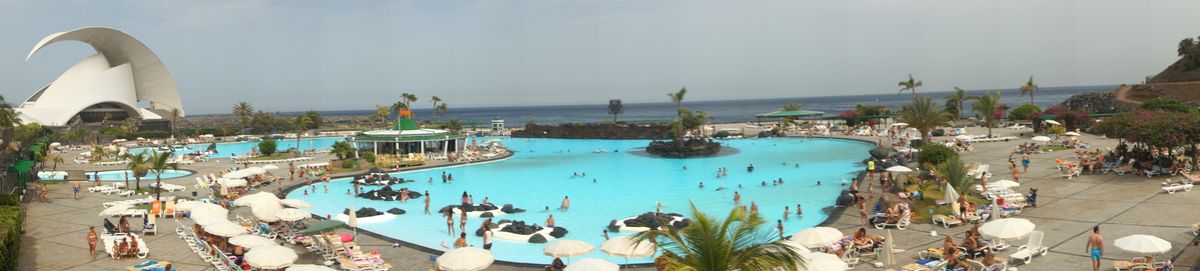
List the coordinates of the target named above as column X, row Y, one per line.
column 1171, row 189
column 1070, row 172
column 1034, row 247
column 905, row 220
column 127, row 193
column 101, row 188
column 946, row 221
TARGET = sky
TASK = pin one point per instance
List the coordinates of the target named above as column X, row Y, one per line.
column 350, row 55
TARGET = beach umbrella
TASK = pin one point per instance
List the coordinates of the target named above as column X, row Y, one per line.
column 295, row 203
column 227, row 182
column 250, row 241
column 818, row 261
column 796, row 246
column 1143, row 244
column 1002, row 184
column 899, row 124
column 626, row 247
column 270, row 167
column 266, row 211
column 236, row 175
column 271, row 257
column 225, row 229
column 208, row 213
column 817, row 236
column 951, row 194
column 591, row 264
column 291, row 214
column 115, row 210
column 256, row 198
column 309, row 267
column 465, row 259
column 1007, row 228
column 567, row 248
column 1041, row 139
column 1052, row 122
column 889, row 251
column 963, row 137
column 352, row 221
column 254, row 170
column 1071, row 133
column 899, row 169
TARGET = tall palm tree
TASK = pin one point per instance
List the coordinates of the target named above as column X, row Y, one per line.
column 243, row 111
column 1029, row 87
column 441, row 110
column 57, row 158
column 923, row 115
column 910, row 85
column 302, row 122
column 787, row 121
column 8, row 119
column 174, row 114
column 435, row 100
column 381, row 113
column 407, row 99
column 160, row 162
column 956, row 174
column 986, row 106
column 139, row 166
column 736, row 243
column 677, row 99
column 959, row 97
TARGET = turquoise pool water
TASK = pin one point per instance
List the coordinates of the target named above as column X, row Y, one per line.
column 626, row 184
column 114, row 175
column 232, row 149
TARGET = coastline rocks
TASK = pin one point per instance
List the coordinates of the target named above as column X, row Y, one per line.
column 386, row 193
column 594, row 131
column 650, row 220
column 558, row 232
column 881, row 152
column 508, row 208
column 363, row 212
column 1094, row 102
column 487, row 215
column 379, row 179
column 537, row 239
column 396, row 211
column 520, row 228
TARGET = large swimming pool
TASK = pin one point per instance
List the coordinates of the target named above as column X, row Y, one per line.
column 626, row 184
column 114, row 175
column 233, row 149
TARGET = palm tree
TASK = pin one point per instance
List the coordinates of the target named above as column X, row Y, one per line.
column 174, row 114
column 737, row 243
column 243, row 111
column 1029, row 87
column 923, row 115
column 8, row 119
column 139, row 166
column 986, row 106
column 408, row 99
column 454, row 126
column 159, row 163
column 381, row 113
column 441, row 110
column 956, row 174
column 57, row 158
column 910, row 85
column 958, row 98
column 435, row 100
column 677, row 99
column 302, row 123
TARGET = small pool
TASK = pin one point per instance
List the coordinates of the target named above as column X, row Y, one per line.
column 620, row 183
column 114, row 175
column 233, row 149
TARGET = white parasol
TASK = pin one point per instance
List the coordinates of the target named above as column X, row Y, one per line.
column 295, row 203
column 291, row 214
column 1071, row 133
column 1007, row 228
column 1041, row 139
column 1143, row 244
column 1052, row 122
column 1002, row 184
column 271, row 257
column 592, row 264
column 225, row 229
column 626, row 247
column 899, row 169
column 817, row 236
column 250, row 241
column 818, row 261
column 465, row 259
column 567, row 248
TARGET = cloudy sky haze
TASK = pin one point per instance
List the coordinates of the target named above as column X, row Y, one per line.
column 345, row 55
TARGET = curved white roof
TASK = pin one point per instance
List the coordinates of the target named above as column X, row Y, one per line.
column 122, row 72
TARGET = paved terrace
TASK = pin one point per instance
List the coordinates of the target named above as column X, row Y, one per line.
column 1067, row 210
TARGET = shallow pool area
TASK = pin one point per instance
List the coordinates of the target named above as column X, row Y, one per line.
column 114, row 175
column 234, row 149
column 619, row 183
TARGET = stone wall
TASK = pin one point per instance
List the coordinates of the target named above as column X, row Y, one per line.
column 595, row 131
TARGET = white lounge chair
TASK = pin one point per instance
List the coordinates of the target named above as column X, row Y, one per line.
column 905, row 220
column 101, row 188
column 1070, row 172
column 1171, row 189
column 1034, row 247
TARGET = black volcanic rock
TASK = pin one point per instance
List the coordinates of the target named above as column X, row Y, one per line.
column 537, row 239
column 683, row 149
column 396, row 211
column 558, row 232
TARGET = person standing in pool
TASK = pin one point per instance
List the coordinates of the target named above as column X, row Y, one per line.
column 798, row 211
column 779, row 226
column 737, row 198
column 753, row 207
column 604, row 233
column 462, row 223
column 449, row 222
column 566, row 203
column 426, row 202
column 550, row 221
column 466, row 200
column 786, row 212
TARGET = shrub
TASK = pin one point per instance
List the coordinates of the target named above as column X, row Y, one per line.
column 11, row 219
column 1056, row 130
column 1161, row 104
column 9, row 200
column 935, row 154
column 1023, row 112
column 369, row 156
column 267, row 146
column 348, row 163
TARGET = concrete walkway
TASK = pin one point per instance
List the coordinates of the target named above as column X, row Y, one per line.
column 1067, row 210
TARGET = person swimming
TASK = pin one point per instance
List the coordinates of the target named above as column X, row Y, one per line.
column 701, row 185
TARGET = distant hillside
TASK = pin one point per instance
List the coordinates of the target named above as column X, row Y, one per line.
column 1177, row 72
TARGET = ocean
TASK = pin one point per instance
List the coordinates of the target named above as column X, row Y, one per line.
column 722, row 111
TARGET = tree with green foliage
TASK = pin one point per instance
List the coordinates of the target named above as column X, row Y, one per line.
column 8, row 119
column 1024, row 112
column 1154, row 128
column 267, row 146
column 956, row 174
column 1162, row 104
column 243, row 111
column 139, row 165
column 910, row 85
column 173, row 117
column 342, row 149
column 677, row 99
column 739, row 242
column 615, row 108
column 455, row 126
column 956, row 100
column 1029, row 87
column 441, row 110
column 986, row 106
column 1189, row 51
column 302, row 122
column 315, row 120
column 159, row 163
column 924, row 115
column 787, row 121
column 369, row 156
column 935, row 154
column 435, row 100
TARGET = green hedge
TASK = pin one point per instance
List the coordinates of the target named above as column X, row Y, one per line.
column 11, row 219
column 935, row 154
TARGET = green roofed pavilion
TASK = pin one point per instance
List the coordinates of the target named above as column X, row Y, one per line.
column 407, row 137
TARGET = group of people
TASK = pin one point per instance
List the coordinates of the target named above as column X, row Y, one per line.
column 973, row 246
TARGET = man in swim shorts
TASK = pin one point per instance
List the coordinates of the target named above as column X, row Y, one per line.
column 1095, row 247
